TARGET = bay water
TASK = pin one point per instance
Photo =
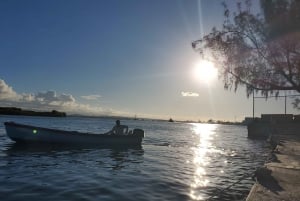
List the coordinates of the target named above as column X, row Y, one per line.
column 177, row 161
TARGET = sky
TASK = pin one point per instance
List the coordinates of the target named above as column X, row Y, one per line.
column 115, row 57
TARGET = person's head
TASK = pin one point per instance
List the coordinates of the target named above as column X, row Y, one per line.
column 118, row 122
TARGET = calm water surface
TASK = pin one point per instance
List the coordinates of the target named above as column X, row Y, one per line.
column 177, row 161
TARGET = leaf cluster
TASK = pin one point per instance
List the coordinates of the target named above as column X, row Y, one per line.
column 258, row 51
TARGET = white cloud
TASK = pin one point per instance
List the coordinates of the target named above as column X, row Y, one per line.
column 7, row 92
column 50, row 100
column 91, row 97
column 27, row 97
column 189, row 94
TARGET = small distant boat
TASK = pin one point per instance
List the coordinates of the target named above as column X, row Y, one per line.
column 171, row 120
column 33, row 134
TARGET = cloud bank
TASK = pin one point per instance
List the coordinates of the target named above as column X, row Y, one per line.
column 7, row 92
column 49, row 100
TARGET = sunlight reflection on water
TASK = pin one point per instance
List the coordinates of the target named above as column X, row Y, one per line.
column 205, row 132
column 177, row 161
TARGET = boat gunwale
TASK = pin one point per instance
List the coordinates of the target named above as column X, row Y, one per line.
column 58, row 131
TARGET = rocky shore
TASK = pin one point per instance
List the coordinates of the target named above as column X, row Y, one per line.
column 279, row 179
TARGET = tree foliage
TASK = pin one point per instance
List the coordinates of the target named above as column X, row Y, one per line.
column 259, row 51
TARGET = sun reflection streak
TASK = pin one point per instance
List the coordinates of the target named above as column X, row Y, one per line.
column 205, row 132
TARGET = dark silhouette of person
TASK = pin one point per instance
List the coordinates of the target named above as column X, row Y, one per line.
column 119, row 129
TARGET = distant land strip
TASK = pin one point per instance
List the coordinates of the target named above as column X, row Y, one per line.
column 19, row 111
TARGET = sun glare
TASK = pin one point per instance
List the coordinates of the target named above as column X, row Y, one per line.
column 205, row 71
column 201, row 160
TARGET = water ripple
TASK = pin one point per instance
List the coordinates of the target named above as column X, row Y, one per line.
column 176, row 162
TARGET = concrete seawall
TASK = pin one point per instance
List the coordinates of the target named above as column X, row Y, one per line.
column 279, row 179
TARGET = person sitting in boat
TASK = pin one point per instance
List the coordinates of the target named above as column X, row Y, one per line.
column 119, row 129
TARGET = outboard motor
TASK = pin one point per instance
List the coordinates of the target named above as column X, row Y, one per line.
column 139, row 132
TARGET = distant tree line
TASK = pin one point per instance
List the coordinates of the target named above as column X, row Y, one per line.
column 19, row 111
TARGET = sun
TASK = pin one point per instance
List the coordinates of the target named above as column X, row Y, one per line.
column 205, row 71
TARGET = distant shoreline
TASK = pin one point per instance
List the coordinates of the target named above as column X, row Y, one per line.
column 157, row 119
column 19, row 111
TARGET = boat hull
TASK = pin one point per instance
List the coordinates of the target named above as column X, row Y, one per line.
column 33, row 134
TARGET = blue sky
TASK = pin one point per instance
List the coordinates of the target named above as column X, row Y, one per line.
column 114, row 57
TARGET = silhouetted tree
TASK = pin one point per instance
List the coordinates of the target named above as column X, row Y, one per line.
column 259, row 51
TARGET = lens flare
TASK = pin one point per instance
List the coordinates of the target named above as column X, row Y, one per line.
column 205, row 71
